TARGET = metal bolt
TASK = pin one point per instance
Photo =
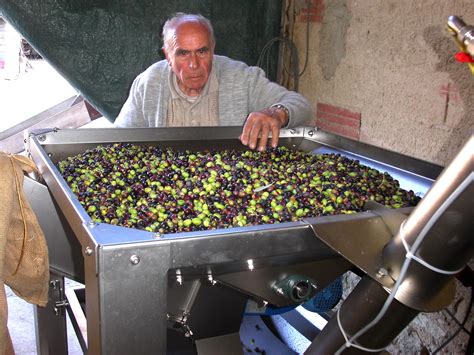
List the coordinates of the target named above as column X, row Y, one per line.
column 59, row 306
column 88, row 251
column 280, row 291
column 91, row 223
column 382, row 272
column 134, row 259
column 54, row 284
column 157, row 235
column 310, row 133
column 179, row 278
column 250, row 264
column 292, row 131
column 42, row 138
column 211, row 279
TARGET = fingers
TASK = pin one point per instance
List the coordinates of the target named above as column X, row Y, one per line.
column 251, row 131
column 259, row 124
column 245, row 136
column 263, row 137
column 275, row 136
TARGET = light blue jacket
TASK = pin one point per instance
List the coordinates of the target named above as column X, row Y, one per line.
column 242, row 90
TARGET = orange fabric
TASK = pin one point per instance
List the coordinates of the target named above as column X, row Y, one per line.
column 24, row 263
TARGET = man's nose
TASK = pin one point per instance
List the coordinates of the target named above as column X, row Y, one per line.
column 193, row 61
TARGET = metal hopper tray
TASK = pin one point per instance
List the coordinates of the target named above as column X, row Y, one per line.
column 137, row 282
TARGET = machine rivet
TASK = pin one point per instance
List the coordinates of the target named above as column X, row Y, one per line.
column 42, row 138
column 134, row 259
column 179, row 277
column 250, row 264
column 88, row 251
column 54, row 284
column 210, row 278
column 382, row 272
column 280, row 291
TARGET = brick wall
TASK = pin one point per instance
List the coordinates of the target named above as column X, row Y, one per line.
column 338, row 120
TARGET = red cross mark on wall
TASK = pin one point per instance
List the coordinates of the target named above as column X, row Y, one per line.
column 450, row 92
column 311, row 10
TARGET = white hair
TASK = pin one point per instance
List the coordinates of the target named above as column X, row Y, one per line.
column 171, row 24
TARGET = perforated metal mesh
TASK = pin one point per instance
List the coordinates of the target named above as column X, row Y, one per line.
column 327, row 298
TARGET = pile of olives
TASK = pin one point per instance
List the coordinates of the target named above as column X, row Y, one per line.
column 168, row 190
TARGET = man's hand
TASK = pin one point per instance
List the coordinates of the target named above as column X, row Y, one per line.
column 261, row 123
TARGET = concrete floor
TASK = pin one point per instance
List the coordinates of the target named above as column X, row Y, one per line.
column 22, row 327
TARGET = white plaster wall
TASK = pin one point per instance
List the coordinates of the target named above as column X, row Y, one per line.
column 393, row 61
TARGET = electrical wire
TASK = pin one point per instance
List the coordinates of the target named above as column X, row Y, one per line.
column 293, row 71
column 459, row 323
column 461, row 327
column 308, row 4
column 294, row 58
column 405, row 265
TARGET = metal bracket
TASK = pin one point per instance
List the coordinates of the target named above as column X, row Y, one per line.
column 61, row 303
column 183, row 323
column 361, row 241
column 310, row 132
column 39, row 134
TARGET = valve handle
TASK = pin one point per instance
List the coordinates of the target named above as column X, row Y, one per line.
column 463, row 57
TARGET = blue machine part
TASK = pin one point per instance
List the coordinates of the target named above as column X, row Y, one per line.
column 326, row 299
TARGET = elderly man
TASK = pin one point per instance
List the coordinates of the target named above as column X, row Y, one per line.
column 195, row 87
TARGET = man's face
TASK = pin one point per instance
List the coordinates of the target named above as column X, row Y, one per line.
column 190, row 56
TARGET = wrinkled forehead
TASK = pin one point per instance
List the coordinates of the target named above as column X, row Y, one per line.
column 190, row 28
column 190, row 33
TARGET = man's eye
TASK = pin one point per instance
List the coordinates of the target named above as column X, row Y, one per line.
column 181, row 53
column 203, row 50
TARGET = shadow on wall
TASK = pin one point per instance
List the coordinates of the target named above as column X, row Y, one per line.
column 460, row 87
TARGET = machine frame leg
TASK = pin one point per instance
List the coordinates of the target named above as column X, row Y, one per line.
column 50, row 321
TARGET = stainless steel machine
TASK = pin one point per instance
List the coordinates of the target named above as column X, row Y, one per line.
column 139, row 285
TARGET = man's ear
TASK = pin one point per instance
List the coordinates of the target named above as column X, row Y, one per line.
column 166, row 54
